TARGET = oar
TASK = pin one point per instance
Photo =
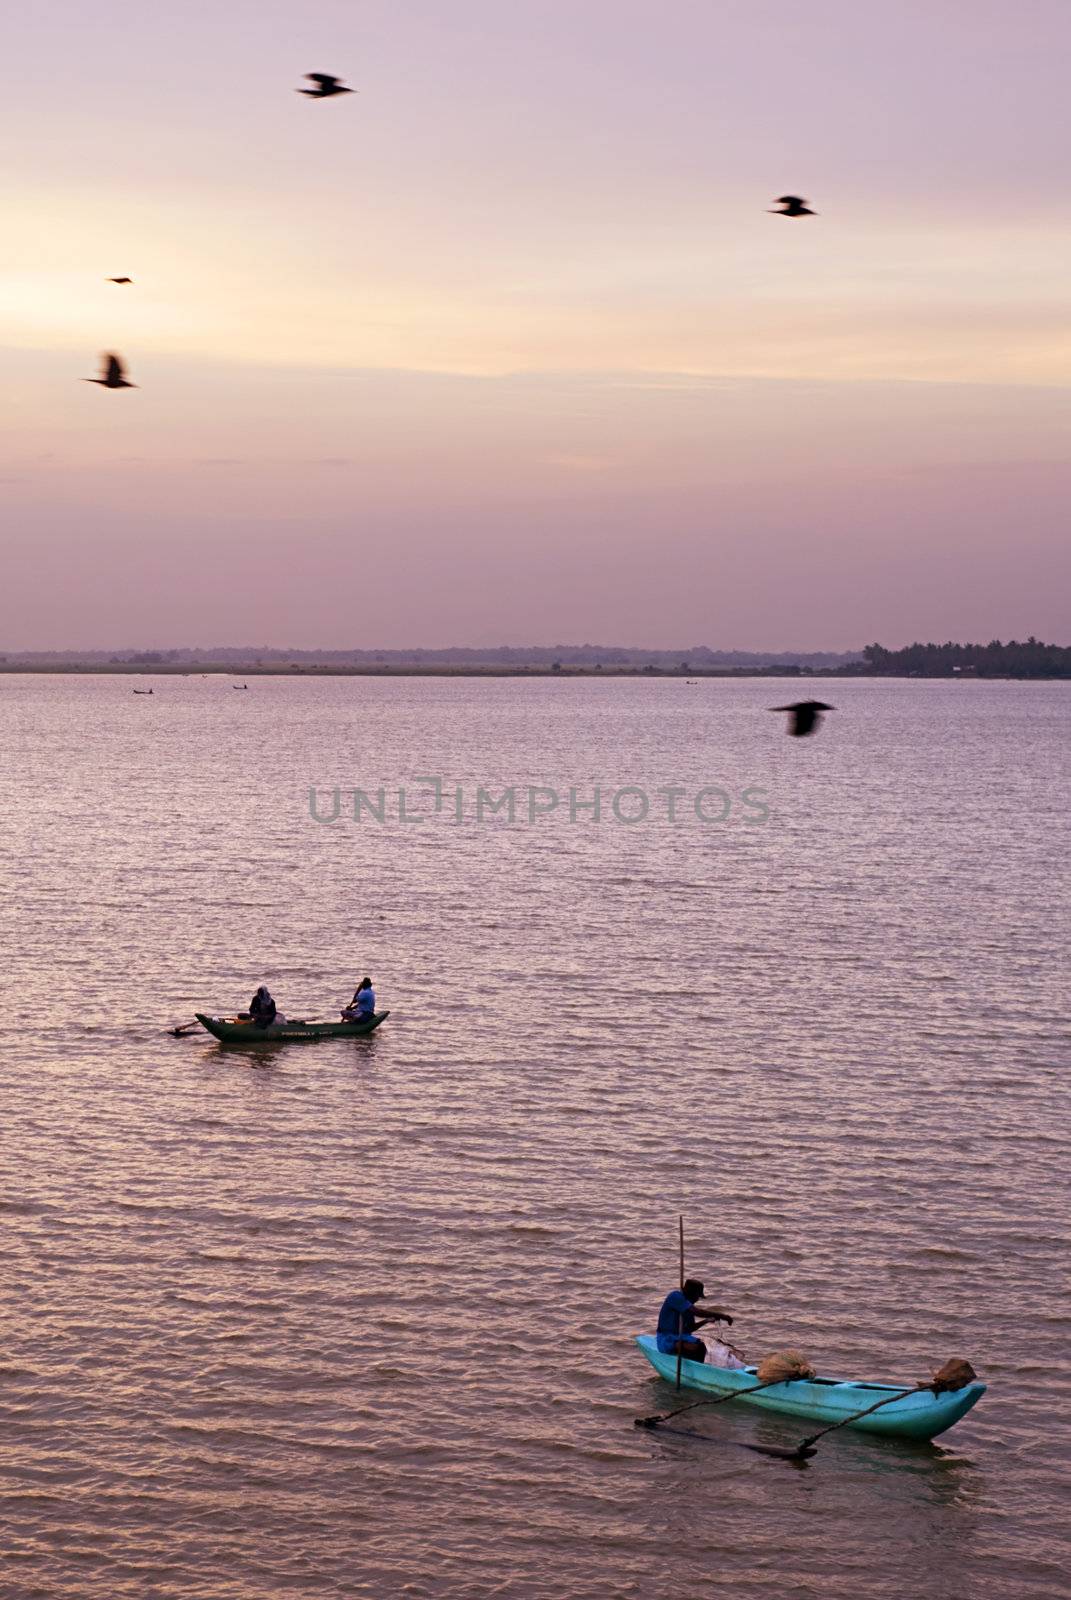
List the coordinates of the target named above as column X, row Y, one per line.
column 184, row 1029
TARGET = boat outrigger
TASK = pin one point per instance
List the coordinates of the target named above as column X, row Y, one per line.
column 917, row 1414
column 243, row 1030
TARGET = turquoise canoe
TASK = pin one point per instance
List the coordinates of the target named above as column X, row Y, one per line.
column 918, row 1415
column 242, row 1030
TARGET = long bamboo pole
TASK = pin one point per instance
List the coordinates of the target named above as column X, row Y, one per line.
column 680, row 1314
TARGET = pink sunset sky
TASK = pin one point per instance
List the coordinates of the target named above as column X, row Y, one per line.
column 506, row 348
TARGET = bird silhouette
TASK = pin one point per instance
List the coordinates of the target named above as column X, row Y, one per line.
column 113, row 374
column 790, row 205
column 120, row 280
column 804, row 716
column 326, row 86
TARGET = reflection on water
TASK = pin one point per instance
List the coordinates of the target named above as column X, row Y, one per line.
column 355, row 1316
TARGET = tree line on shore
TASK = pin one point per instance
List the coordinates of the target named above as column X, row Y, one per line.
column 1028, row 658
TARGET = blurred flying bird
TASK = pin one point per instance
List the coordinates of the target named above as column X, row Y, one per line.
column 326, row 86
column 114, row 374
column 790, row 205
column 120, row 280
column 804, row 716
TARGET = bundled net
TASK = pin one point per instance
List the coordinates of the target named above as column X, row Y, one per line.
column 782, row 1366
column 953, row 1375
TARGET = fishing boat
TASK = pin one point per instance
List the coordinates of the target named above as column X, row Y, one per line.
column 918, row 1414
column 243, row 1030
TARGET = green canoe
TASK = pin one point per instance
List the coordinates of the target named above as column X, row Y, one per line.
column 242, row 1030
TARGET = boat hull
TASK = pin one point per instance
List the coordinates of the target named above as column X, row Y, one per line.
column 918, row 1415
column 231, row 1030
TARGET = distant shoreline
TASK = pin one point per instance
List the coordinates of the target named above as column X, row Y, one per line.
column 1025, row 660
column 123, row 669
column 126, row 669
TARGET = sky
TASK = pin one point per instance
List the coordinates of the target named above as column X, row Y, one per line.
column 507, row 348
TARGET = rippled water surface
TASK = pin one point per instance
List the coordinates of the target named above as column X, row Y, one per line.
column 355, row 1317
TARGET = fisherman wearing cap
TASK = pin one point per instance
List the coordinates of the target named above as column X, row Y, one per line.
column 678, row 1320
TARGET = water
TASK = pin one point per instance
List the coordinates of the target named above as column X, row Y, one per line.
column 354, row 1318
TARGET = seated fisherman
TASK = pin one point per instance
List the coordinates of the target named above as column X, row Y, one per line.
column 363, row 1005
column 262, row 1008
column 678, row 1320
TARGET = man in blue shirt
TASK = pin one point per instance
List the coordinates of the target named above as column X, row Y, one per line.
column 678, row 1320
column 362, row 1007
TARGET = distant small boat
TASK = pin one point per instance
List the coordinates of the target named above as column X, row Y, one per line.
column 239, row 686
column 920, row 1414
column 243, row 1030
column 143, row 691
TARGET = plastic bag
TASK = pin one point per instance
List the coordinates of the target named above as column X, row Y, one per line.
column 719, row 1355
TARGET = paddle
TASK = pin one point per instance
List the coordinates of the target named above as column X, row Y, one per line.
column 184, row 1029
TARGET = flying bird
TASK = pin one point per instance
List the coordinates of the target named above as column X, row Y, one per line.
column 120, row 280
column 113, row 374
column 326, row 86
column 791, row 205
column 804, row 716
